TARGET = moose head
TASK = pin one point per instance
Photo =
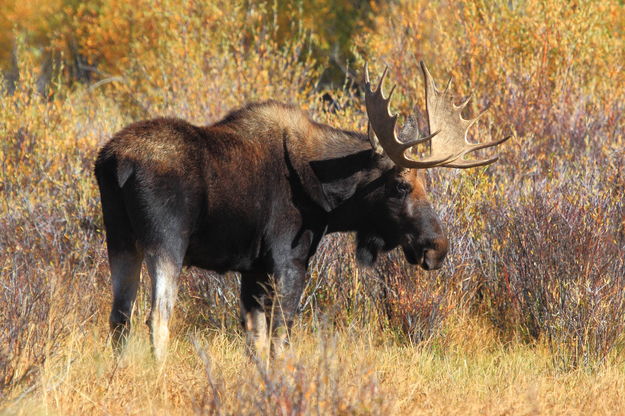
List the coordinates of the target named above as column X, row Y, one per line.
column 399, row 213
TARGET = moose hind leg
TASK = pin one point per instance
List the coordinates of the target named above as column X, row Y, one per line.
column 164, row 270
column 125, row 273
column 124, row 254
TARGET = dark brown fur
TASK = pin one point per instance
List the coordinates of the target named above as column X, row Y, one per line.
column 253, row 193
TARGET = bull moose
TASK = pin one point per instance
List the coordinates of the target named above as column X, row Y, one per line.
column 255, row 193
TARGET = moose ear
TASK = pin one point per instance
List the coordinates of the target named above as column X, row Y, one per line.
column 339, row 176
column 305, row 184
column 328, row 176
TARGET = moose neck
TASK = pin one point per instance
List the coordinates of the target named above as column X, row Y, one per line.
column 350, row 182
column 355, row 211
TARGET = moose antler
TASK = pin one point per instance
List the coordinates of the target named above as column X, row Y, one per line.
column 382, row 129
column 449, row 140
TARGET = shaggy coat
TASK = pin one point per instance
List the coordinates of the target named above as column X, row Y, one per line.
column 253, row 193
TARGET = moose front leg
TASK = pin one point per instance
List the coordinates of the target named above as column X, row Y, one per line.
column 289, row 284
column 268, row 306
column 269, row 302
column 289, row 278
column 255, row 295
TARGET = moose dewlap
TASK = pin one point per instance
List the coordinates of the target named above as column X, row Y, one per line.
column 256, row 192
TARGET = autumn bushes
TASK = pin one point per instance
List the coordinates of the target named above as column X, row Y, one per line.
column 541, row 261
column 52, row 255
column 537, row 239
column 553, row 267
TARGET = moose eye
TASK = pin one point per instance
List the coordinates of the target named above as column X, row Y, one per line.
column 401, row 189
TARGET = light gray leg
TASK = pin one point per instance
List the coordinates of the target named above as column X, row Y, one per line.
column 288, row 288
column 253, row 318
column 290, row 278
column 256, row 333
column 164, row 272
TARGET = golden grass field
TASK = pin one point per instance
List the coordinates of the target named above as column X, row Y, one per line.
column 354, row 371
column 526, row 317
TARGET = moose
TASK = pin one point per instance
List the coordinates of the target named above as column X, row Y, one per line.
column 255, row 193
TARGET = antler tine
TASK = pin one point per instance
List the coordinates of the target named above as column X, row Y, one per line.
column 381, row 81
column 382, row 126
column 463, row 164
column 463, row 104
column 445, row 116
column 448, row 85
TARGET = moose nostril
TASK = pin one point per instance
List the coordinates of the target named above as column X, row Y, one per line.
column 431, row 260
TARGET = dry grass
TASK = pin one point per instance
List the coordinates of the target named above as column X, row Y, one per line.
column 526, row 317
column 357, row 371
